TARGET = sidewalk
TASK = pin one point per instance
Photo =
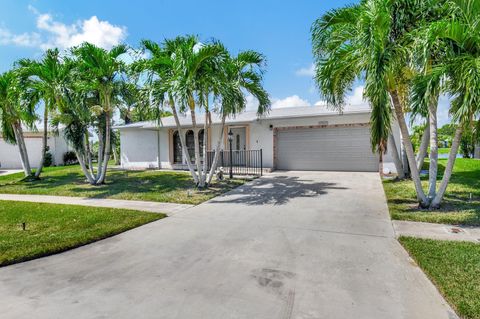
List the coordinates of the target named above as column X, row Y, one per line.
column 436, row 231
column 154, row 207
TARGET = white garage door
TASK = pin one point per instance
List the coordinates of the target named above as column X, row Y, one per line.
column 329, row 149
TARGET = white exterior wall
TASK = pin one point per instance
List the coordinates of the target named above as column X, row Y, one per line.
column 10, row 156
column 139, row 146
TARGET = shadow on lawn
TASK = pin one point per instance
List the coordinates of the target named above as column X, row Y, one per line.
column 278, row 190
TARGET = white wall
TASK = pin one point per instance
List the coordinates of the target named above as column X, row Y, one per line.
column 10, row 156
column 139, row 146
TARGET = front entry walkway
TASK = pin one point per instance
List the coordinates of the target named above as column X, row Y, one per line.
column 288, row 245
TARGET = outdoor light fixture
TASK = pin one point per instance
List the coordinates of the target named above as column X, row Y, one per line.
column 230, row 139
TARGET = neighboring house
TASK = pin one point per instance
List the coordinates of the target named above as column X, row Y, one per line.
column 10, row 156
column 296, row 138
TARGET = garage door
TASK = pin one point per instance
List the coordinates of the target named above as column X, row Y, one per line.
column 329, row 149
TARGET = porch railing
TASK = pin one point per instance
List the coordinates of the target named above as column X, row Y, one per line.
column 241, row 162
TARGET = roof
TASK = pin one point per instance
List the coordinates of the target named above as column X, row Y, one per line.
column 246, row 117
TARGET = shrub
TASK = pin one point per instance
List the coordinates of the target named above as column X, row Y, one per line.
column 48, row 159
column 69, row 158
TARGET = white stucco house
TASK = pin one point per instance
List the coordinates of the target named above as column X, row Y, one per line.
column 10, row 156
column 295, row 138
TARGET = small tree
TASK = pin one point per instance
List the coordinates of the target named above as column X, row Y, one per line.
column 17, row 109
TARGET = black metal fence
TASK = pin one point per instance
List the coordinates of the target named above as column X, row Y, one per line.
column 240, row 162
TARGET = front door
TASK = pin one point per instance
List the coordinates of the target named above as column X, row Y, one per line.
column 239, row 145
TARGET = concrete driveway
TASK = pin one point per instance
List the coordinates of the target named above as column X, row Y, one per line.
column 289, row 245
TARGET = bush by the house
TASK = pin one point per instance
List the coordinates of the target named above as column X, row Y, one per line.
column 69, row 158
column 48, row 159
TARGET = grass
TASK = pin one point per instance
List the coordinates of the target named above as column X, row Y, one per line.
column 454, row 267
column 160, row 186
column 52, row 228
column 457, row 208
column 444, row 150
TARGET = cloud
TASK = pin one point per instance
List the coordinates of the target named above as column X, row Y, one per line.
column 290, row 101
column 443, row 117
column 321, row 103
column 355, row 98
column 51, row 33
column 308, row 71
column 23, row 40
column 251, row 103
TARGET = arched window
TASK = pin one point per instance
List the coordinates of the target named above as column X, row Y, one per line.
column 190, row 141
column 177, row 148
column 201, row 135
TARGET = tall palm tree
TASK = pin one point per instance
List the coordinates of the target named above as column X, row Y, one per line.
column 17, row 109
column 99, row 71
column 181, row 66
column 75, row 116
column 366, row 41
column 48, row 77
column 456, row 69
column 240, row 74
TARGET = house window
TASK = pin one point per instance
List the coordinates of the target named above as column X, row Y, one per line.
column 190, row 141
column 201, row 135
column 237, row 142
column 177, row 148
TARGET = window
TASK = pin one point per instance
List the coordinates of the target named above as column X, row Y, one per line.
column 177, row 148
column 190, row 141
column 237, row 142
column 201, row 135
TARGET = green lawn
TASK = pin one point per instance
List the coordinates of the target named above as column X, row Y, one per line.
column 161, row 186
column 444, row 150
column 457, row 207
column 454, row 267
column 52, row 228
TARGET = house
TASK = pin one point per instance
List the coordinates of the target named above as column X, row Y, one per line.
column 295, row 138
column 10, row 156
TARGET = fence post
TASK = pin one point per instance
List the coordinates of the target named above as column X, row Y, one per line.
column 261, row 162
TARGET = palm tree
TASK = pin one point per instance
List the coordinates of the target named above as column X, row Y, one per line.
column 367, row 41
column 17, row 109
column 47, row 76
column 74, row 113
column 181, row 67
column 240, row 74
column 99, row 70
column 457, row 70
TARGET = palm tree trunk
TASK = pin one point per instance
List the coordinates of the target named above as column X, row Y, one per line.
column 448, row 169
column 422, row 151
column 89, row 154
column 108, row 146
column 407, row 143
column 182, row 141
column 217, row 151
column 204, row 148
column 201, row 180
column 86, row 172
column 44, row 143
column 18, row 131
column 433, row 169
column 101, row 147
column 396, row 157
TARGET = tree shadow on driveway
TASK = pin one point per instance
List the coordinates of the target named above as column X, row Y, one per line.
column 277, row 190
